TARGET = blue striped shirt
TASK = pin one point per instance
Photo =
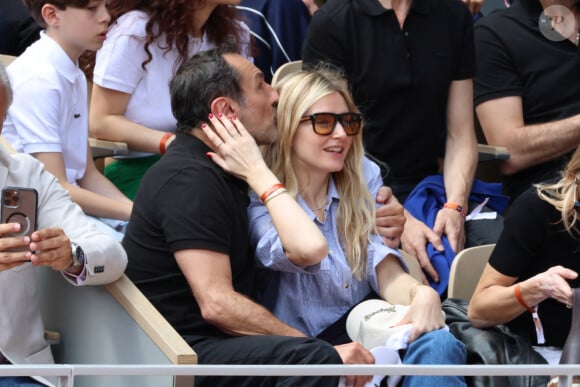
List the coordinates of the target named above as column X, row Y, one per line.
column 312, row 298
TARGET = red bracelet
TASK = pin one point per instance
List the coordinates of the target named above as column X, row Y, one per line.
column 456, row 207
column 271, row 190
column 518, row 293
column 163, row 143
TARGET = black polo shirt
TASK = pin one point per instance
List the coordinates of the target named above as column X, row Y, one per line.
column 399, row 77
column 185, row 201
column 514, row 58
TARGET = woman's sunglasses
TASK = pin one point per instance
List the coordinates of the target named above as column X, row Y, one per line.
column 324, row 123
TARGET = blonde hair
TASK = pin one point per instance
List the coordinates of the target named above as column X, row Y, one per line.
column 356, row 210
column 562, row 194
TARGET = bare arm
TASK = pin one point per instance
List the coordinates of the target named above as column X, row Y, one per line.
column 107, row 201
column 460, row 161
column 494, row 301
column 459, row 170
column 209, row 275
column 502, row 121
column 107, row 121
column 239, row 155
column 398, row 287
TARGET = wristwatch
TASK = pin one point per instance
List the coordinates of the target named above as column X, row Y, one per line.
column 78, row 257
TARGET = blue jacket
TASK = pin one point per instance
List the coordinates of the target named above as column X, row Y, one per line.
column 428, row 198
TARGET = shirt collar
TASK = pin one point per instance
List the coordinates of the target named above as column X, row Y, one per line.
column 374, row 7
column 332, row 190
column 58, row 57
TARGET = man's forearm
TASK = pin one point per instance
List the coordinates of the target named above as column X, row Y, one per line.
column 459, row 170
column 535, row 144
column 240, row 316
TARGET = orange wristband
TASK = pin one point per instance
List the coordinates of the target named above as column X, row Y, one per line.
column 270, row 191
column 456, row 207
column 518, row 293
column 163, row 143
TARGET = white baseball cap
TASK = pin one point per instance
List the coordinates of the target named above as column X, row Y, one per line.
column 372, row 322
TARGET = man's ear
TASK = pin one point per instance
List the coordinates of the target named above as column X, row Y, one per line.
column 223, row 105
column 50, row 15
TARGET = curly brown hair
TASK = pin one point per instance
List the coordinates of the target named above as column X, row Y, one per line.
column 172, row 18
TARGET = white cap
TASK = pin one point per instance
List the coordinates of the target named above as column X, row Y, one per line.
column 372, row 322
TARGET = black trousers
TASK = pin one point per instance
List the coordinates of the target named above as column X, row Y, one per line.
column 277, row 350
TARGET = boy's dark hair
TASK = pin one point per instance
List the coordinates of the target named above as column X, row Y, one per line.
column 198, row 81
column 35, row 7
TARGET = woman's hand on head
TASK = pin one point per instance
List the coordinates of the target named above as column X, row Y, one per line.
column 236, row 150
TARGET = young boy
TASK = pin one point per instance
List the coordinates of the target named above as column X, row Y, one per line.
column 49, row 116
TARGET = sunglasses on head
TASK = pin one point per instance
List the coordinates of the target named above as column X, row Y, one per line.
column 324, row 123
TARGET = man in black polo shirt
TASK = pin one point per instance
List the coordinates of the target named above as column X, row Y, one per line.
column 527, row 88
column 188, row 239
column 410, row 66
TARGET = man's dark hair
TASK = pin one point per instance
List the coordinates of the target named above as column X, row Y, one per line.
column 198, row 81
column 35, row 7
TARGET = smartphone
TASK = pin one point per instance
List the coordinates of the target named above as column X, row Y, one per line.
column 19, row 205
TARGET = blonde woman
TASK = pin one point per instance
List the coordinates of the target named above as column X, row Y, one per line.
column 535, row 264
column 319, row 158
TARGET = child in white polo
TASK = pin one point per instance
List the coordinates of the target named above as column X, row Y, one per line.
column 49, row 115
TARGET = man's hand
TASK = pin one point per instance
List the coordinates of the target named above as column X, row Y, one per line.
column 414, row 241
column 355, row 353
column 51, row 248
column 390, row 217
column 451, row 223
column 9, row 259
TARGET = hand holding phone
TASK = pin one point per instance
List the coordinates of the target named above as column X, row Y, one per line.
column 19, row 205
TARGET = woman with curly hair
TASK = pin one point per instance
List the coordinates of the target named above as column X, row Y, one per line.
column 147, row 41
column 529, row 279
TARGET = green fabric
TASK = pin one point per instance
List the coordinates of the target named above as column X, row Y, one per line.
column 126, row 174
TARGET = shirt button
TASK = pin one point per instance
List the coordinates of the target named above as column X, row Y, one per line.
column 406, row 34
column 346, row 285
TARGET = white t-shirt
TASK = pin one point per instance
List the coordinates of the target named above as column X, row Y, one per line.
column 119, row 67
column 49, row 112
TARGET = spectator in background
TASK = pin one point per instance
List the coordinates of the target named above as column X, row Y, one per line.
column 55, row 130
column 65, row 240
column 410, row 67
column 526, row 101
column 535, row 264
column 17, row 27
column 144, row 47
column 278, row 29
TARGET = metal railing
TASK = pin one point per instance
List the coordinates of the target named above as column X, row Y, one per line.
column 67, row 372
